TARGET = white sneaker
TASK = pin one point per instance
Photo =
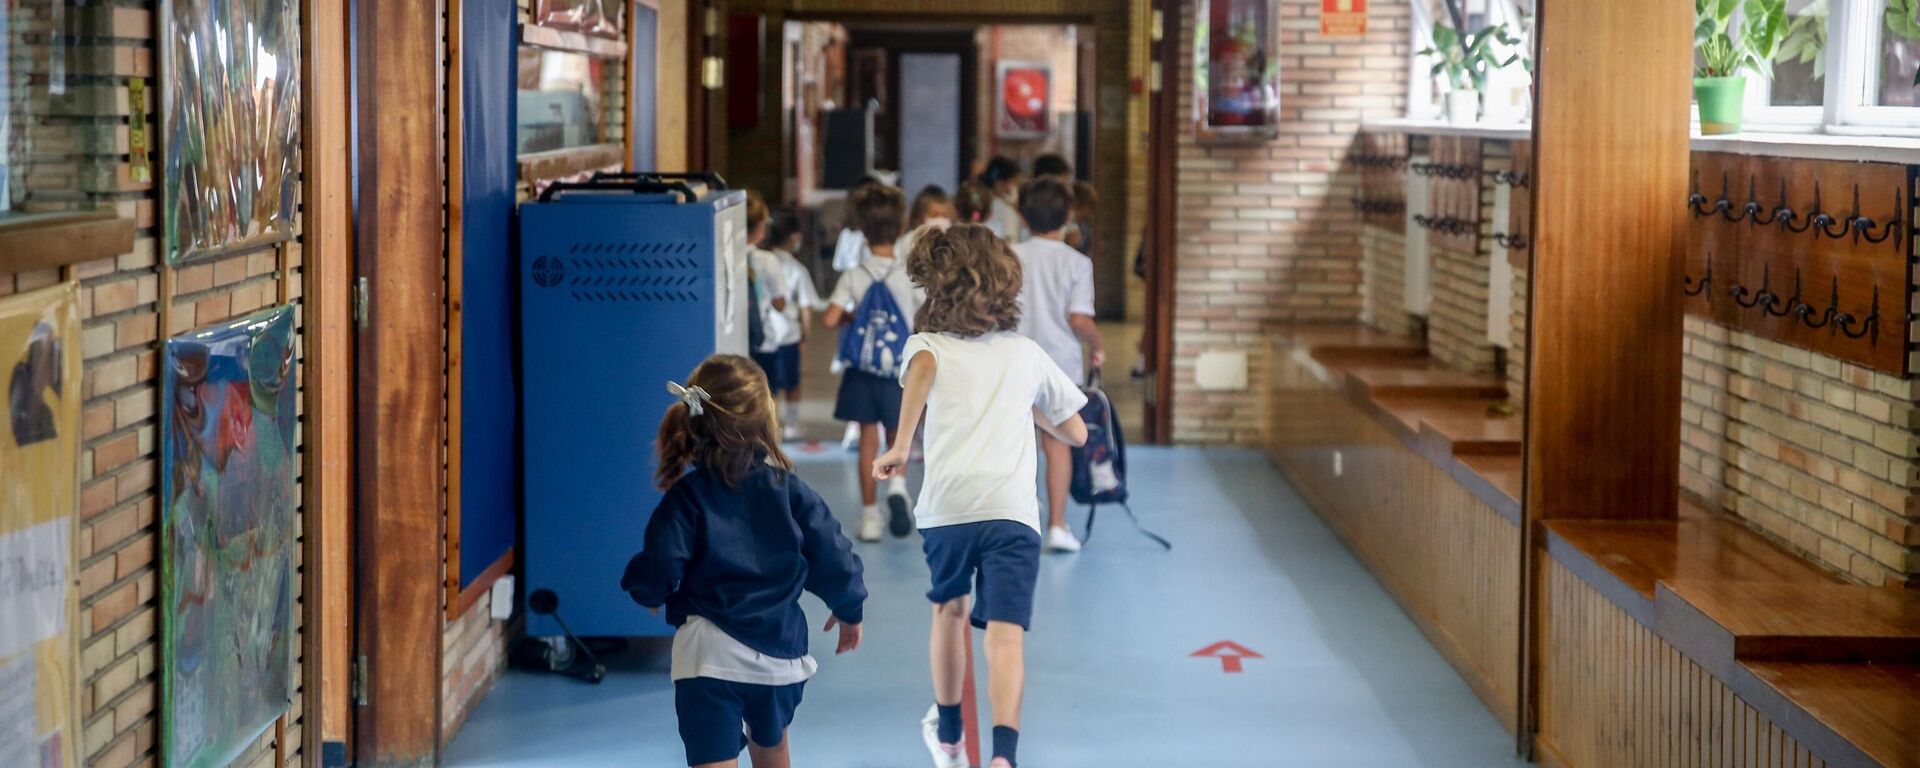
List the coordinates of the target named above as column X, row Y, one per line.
column 1062, row 540
column 851, row 440
column 872, row 526
column 944, row 755
column 790, row 432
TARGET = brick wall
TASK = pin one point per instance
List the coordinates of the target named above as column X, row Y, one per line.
column 1385, row 279
column 78, row 158
column 473, row 653
column 1265, row 233
column 1461, row 279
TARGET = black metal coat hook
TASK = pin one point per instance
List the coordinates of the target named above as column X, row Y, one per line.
column 1813, row 217
column 1780, row 213
column 1770, row 302
column 1739, row 292
column 1833, row 313
column 1751, row 209
column 1697, row 288
column 1515, row 242
column 1870, row 327
column 1720, row 206
column 1863, row 226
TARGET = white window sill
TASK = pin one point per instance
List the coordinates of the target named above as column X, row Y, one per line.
column 1814, row 146
column 1502, row 131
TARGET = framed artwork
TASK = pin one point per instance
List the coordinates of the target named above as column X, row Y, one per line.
column 1237, row 77
column 229, row 124
column 227, row 531
column 39, row 482
column 1024, row 107
column 588, row 17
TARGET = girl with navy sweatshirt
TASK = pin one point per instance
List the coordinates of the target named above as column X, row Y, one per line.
column 728, row 551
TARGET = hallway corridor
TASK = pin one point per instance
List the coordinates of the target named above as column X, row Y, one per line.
column 1345, row 680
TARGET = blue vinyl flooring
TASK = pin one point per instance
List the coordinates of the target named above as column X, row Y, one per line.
column 1346, row 678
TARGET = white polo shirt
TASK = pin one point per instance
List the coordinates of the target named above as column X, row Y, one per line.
column 1057, row 281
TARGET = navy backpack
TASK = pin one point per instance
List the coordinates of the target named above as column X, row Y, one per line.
column 1100, row 466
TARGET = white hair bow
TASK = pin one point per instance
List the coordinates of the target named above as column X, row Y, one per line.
column 694, row 397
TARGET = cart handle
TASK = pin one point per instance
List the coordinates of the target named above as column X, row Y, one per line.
column 712, row 179
column 636, row 187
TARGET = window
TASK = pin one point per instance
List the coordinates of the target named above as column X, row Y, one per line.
column 560, row 99
column 1846, row 66
column 1508, row 99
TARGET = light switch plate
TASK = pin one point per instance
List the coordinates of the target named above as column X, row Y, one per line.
column 502, row 598
column 1221, row 371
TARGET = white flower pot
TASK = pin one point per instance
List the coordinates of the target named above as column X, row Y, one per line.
column 1463, row 106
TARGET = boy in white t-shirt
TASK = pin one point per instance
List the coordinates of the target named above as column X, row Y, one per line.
column 983, row 389
column 873, row 401
column 1056, row 311
column 783, row 238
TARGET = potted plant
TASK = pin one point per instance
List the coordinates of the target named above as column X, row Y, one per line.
column 1465, row 60
column 1727, row 53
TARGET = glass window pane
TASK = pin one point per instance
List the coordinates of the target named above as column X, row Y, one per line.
column 560, row 99
column 1898, row 57
column 1799, row 71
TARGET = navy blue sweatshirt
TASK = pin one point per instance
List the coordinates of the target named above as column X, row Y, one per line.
column 739, row 556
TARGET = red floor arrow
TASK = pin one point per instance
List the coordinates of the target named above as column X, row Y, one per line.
column 1229, row 653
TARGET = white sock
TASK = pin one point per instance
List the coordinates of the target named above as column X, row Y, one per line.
column 870, row 510
column 897, row 485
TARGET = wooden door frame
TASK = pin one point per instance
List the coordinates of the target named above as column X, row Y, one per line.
column 1163, row 111
column 398, row 103
column 327, row 472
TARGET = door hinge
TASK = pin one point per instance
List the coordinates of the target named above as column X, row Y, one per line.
column 359, row 685
column 360, row 302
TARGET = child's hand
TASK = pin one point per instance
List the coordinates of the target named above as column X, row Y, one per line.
column 892, row 464
column 849, row 634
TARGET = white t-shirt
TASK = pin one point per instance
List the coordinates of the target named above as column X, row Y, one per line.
column 800, row 295
column 1006, row 221
column 770, row 278
column 853, row 283
column 979, row 433
column 1057, row 281
column 702, row 649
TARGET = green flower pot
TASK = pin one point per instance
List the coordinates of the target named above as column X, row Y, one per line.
column 1722, row 102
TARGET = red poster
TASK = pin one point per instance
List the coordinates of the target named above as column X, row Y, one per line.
column 1343, row 18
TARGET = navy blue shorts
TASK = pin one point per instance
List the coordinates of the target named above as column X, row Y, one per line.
column 711, row 713
column 868, row 399
column 997, row 560
column 782, row 366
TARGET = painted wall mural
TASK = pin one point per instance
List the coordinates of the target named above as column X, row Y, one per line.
column 39, row 481
column 230, row 124
column 227, row 536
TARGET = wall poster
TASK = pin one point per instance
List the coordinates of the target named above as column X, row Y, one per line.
column 1025, row 107
column 588, row 17
column 39, row 487
column 227, row 536
column 229, row 124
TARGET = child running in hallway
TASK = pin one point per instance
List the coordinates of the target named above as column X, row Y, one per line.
column 728, row 551
column 783, row 238
column 874, row 303
column 1056, row 311
column 932, row 205
column 983, row 389
column 770, row 326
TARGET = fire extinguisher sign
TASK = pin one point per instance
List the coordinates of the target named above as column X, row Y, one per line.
column 1343, row 18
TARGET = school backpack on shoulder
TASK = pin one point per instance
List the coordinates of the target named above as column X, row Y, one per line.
column 1100, row 466
column 873, row 341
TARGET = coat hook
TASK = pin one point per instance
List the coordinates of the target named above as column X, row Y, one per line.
column 1739, row 292
column 1805, row 310
column 1813, row 215
column 1769, row 300
column 1752, row 207
column 1863, row 227
column 1870, row 327
column 1781, row 213
column 1697, row 288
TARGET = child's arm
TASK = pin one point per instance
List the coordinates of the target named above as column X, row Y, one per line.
column 1083, row 327
column 1073, row 431
column 834, row 572
column 919, row 381
column 656, row 571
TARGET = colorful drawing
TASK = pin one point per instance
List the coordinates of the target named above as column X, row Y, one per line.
column 227, row 537
column 229, row 123
column 1026, row 99
column 39, row 481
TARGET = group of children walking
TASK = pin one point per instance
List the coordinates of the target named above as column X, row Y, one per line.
column 948, row 333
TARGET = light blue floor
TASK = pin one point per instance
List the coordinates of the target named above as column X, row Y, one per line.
column 1346, row 680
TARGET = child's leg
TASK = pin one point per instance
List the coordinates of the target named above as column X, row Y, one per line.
column 948, row 651
column 869, row 449
column 1059, row 478
column 770, row 757
column 1006, row 672
column 721, row 764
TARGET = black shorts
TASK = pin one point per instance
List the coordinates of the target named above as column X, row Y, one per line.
column 711, row 713
column 868, row 399
column 782, row 366
column 998, row 560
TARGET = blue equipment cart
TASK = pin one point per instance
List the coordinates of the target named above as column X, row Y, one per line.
column 625, row 284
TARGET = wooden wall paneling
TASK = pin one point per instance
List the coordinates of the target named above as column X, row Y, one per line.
column 456, row 269
column 1163, row 118
column 401, row 370
column 1611, row 151
column 327, row 276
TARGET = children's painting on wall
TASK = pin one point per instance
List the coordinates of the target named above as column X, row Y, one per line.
column 227, row 536
column 39, row 480
column 229, row 124
column 590, row 17
column 1026, row 99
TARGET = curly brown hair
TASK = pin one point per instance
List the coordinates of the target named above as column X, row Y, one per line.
column 735, row 431
column 971, row 277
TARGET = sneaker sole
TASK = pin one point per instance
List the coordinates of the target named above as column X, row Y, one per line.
column 901, row 520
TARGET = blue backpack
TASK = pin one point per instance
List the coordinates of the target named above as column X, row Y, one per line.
column 873, row 341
